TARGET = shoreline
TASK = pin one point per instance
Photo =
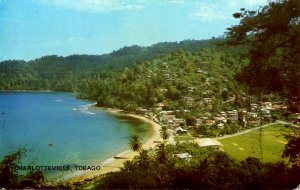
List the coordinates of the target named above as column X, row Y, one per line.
column 29, row 91
column 112, row 164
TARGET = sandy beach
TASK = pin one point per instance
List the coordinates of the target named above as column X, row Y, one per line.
column 113, row 164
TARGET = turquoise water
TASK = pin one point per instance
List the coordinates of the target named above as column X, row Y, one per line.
column 79, row 134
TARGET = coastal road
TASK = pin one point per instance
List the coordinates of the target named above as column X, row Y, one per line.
column 257, row 128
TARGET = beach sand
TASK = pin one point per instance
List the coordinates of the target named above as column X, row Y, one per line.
column 112, row 164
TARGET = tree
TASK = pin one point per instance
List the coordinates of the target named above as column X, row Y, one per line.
column 128, row 166
column 274, row 43
column 144, row 160
column 292, row 148
column 9, row 176
column 161, row 153
column 191, row 121
column 164, row 133
column 225, row 95
column 202, row 129
column 134, row 143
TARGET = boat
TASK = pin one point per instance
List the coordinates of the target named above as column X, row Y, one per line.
column 120, row 157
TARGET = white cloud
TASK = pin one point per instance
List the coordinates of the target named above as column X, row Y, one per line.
column 107, row 5
column 249, row 4
column 176, row 1
column 208, row 12
column 252, row 3
column 95, row 5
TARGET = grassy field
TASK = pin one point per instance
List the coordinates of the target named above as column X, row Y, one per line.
column 184, row 137
column 246, row 145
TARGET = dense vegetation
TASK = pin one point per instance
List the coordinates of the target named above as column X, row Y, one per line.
column 62, row 73
column 10, row 176
column 169, row 79
column 205, row 169
column 274, row 43
column 176, row 74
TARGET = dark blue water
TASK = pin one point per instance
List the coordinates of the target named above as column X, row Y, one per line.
column 79, row 134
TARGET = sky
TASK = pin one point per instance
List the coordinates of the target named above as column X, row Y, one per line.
column 30, row 29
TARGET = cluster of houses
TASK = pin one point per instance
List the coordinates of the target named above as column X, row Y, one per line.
column 253, row 116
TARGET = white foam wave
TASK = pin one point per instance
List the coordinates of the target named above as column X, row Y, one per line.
column 88, row 112
column 107, row 161
column 85, row 108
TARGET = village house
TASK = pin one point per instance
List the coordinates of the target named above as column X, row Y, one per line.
column 186, row 111
column 174, row 125
column 253, row 107
column 168, row 119
column 221, row 125
column 191, row 89
column 279, row 106
column 185, row 156
column 150, row 115
column 198, row 122
column 254, row 122
column 166, row 112
column 251, row 115
column 179, row 121
column 265, row 111
column 200, row 71
column 164, row 90
column 207, row 100
column 158, row 109
column 222, row 113
column 159, row 106
column 208, row 142
column 189, row 100
column 232, row 115
column 267, row 105
column 180, row 131
column 142, row 110
column 210, row 122
column 220, row 119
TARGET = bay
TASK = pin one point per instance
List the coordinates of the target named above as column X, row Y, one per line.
column 62, row 130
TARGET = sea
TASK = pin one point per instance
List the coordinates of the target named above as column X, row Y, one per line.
column 60, row 130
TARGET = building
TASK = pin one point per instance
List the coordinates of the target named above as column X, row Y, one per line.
column 251, row 114
column 191, row 89
column 206, row 142
column 185, row 156
column 168, row 119
column 189, row 100
column 207, row 100
column 180, row 130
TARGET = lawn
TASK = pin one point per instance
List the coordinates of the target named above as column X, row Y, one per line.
column 247, row 145
column 184, row 137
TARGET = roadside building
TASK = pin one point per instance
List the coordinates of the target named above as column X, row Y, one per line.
column 185, row 156
column 180, row 131
column 208, row 142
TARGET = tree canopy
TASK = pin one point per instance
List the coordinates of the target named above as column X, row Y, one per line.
column 273, row 34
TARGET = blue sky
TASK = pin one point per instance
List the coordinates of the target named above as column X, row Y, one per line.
column 33, row 28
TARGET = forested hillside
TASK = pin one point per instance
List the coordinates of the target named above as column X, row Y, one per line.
column 180, row 79
column 62, row 73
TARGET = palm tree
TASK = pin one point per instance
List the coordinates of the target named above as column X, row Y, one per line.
column 164, row 133
column 128, row 166
column 161, row 153
column 134, row 143
column 144, row 160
